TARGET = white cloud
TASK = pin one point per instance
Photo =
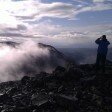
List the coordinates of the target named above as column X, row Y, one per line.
column 44, row 28
column 31, row 9
column 82, row 35
column 13, row 13
column 100, row 1
column 94, row 7
column 22, row 18
column 21, row 13
column 58, row 9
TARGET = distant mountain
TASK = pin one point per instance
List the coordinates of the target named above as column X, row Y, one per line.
column 9, row 43
column 34, row 62
column 53, row 51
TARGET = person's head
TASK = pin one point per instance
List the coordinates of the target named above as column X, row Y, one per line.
column 104, row 37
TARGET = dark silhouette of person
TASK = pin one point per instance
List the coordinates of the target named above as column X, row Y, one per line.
column 101, row 52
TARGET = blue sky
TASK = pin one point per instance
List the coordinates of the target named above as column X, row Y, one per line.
column 61, row 23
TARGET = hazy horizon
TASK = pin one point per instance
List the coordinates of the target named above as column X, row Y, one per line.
column 83, row 55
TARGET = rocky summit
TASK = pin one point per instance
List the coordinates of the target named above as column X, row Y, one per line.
column 71, row 89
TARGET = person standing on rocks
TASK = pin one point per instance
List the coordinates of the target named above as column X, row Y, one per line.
column 101, row 52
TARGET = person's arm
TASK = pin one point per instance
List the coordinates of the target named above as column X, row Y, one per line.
column 98, row 40
column 108, row 42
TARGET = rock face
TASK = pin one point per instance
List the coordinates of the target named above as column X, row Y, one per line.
column 65, row 90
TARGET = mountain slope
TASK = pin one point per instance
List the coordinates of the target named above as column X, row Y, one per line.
column 63, row 90
column 19, row 59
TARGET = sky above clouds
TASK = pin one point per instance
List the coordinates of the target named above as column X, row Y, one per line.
column 61, row 23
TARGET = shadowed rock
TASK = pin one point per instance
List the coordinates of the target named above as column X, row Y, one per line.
column 66, row 89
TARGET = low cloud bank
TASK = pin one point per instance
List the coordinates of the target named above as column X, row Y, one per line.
column 25, row 59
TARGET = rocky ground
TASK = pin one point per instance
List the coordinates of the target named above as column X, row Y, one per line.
column 74, row 89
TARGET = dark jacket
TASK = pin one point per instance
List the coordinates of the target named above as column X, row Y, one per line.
column 103, row 46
